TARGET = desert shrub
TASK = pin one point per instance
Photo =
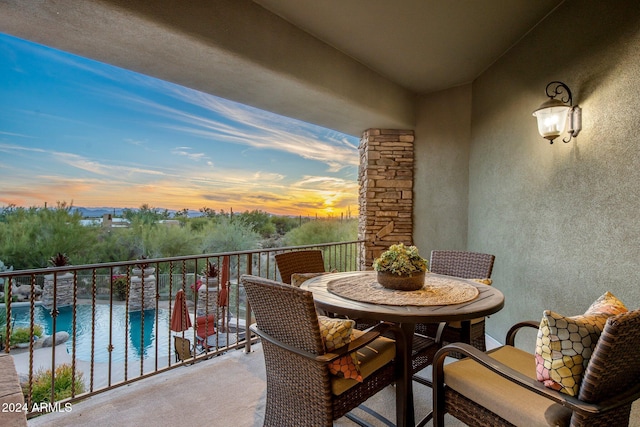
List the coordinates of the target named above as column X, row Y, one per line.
column 3, row 328
column 229, row 235
column 322, row 231
column 23, row 334
column 29, row 237
column 120, row 287
column 64, row 381
column 169, row 241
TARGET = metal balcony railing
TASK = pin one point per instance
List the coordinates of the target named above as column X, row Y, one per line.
column 75, row 331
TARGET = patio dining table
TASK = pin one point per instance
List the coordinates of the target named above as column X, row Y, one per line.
column 357, row 295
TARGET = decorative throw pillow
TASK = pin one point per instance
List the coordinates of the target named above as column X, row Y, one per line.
column 564, row 344
column 607, row 304
column 336, row 333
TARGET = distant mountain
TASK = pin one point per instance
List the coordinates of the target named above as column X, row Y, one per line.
column 99, row 212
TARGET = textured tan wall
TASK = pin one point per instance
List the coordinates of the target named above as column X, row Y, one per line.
column 441, row 180
column 562, row 219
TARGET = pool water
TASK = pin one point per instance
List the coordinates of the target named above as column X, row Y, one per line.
column 140, row 343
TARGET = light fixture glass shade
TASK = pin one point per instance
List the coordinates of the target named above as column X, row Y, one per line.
column 552, row 118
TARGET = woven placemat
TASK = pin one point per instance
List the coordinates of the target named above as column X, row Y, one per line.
column 436, row 291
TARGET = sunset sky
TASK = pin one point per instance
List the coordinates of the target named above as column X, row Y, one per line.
column 88, row 133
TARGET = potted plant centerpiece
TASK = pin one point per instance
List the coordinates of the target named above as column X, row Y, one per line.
column 401, row 267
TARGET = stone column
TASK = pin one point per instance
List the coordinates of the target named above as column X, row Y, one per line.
column 207, row 296
column 140, row 299
column 385, row 177
column 64, row 290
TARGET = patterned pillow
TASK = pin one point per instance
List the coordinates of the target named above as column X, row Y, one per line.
column 607, row 304
column 336, row 333
column 564, row 344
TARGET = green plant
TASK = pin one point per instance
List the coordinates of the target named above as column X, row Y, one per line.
column 211, row 270
column 120, row 287
column 59, row 260
column 3, row 328
column 322, row 231
column 63, row 385
column 401, row 260
column 229, row 236
column 23, row 335
column 4, row 283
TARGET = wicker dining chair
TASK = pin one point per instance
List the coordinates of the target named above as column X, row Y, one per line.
column 308, row 261
column 467, row 265
column 301, row 391
column 499, row 388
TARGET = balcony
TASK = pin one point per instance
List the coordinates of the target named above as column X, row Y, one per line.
column 131, row 376
column 111, row 326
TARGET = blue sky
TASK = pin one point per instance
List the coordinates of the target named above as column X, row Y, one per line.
column 88, row 133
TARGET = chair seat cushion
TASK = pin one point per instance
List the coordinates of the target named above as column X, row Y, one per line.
column 371, row 357
column 458, row 324
column 502, row 397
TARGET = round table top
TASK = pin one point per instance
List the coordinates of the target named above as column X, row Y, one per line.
column 489, row 300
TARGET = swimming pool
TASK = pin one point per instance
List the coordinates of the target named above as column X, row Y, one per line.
column 140, row 344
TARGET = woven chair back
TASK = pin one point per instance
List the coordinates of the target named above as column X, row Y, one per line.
column 299, row 262
column 468, row 265
column 615, row 362
column 286, row 313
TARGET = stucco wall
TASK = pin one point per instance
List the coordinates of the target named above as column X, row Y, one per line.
column 562, row 219
column 441, row 175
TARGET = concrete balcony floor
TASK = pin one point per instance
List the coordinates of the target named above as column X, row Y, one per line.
column 228, row 390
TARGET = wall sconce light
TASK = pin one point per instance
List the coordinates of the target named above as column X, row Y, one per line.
column 552, row 114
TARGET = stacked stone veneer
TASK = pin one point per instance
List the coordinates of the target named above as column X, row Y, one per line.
column 386, row 191
column 63, row 290
column 142, row 280
column 207, row 297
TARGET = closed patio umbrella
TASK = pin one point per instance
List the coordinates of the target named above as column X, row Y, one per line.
column 180, row 320
column 223, row 295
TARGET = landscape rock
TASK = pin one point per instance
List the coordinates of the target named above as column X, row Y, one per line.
column 58, row 338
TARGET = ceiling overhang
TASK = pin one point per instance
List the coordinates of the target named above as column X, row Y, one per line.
column 342, row 65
